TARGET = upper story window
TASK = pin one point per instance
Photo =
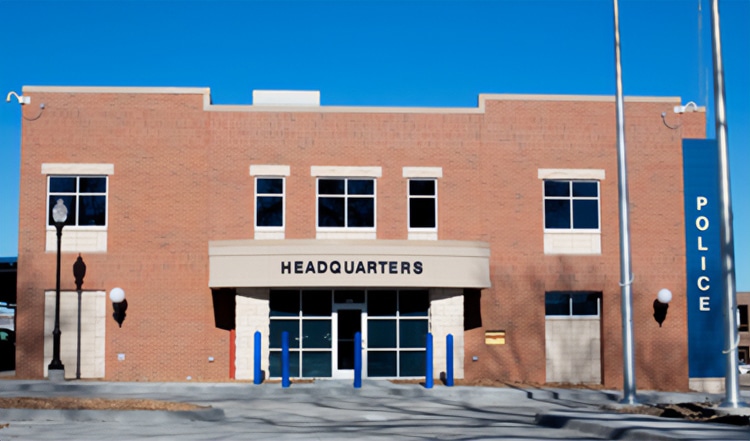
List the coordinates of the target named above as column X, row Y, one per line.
column 422, row 201
column 571, row 205
column 84, row 189
column 84, row 196
column 269, row 202
column 270, row 194
column 346, row 203
column 422, row 204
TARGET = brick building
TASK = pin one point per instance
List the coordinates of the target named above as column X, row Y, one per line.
column 743, row 303
column 496, row 224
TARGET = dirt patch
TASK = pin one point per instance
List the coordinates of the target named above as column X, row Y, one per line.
column 73, row 403
column 699, row 412
column 702, row 412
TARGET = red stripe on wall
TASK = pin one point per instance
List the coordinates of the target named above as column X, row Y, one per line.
column 232, row 353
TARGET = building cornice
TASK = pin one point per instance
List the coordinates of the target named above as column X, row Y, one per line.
column 210, row 107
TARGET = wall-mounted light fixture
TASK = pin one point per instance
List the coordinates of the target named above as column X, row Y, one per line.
column 119, row 304
column 661, row 305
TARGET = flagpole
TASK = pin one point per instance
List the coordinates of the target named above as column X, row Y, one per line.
column 626, row 277
column 729, row 303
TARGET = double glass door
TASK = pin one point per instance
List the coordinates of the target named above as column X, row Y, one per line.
column 321, row 325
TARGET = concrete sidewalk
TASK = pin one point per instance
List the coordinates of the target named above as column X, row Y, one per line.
column 335, row 410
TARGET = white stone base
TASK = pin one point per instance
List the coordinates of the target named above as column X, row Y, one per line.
column 707, row 385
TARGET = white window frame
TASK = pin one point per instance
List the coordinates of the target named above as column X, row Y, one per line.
column 353, row 172
column 346, row 196
column 77, row 195
column 269, row 172
column 564, row 241
column 434, row 198
column 571, row 199
column 85, row 238
column 422, row 173
column 282, row 195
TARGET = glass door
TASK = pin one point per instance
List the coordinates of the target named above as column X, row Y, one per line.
column 348, row 321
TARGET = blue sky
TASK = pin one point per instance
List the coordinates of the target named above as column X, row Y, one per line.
column 395, row 53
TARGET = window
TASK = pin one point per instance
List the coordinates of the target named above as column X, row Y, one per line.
column 306, row 316
column 84, row 196
column 270, row 191
column 571, row 205
column 422, row 204
column 397, row 328
column 269, row 202
column 346, row 203
column 572, row 303
column 743, row 325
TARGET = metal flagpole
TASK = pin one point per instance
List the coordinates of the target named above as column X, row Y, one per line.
column 626, row 277
column 729, row 304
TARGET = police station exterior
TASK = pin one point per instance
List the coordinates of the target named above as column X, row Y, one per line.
column 496, row 224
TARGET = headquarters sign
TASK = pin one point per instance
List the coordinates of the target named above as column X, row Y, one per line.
column 361, row 263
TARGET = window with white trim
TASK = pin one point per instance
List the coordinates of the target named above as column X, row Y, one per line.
column 572, row 303
column 84, row 196
column 270, row 200
column 269, row 203
column 422, row 204
column 571, row 205
column 346, row 203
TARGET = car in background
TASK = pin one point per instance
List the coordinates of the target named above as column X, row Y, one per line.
column 7, row 350
column 744, row 368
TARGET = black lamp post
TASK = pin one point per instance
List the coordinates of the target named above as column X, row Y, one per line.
column 56, row 368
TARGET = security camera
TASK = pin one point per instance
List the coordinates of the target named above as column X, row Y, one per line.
column 21, row 99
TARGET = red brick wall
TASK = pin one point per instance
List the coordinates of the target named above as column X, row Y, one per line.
column 181, row 179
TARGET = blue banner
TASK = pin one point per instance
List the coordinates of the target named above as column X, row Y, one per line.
column 705, row 285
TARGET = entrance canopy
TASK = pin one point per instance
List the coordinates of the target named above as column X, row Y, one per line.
column 350, row 263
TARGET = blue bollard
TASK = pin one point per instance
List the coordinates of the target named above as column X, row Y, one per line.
column 428, row 380
column 285, row 359
column 358, row 360
column 449, row 360
column 257, row 375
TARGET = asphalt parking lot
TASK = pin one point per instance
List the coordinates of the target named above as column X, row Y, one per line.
column 335, row 410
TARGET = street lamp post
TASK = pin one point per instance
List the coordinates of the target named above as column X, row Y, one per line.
column 56, row 370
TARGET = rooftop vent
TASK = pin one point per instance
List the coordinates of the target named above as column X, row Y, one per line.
column 291, row 98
